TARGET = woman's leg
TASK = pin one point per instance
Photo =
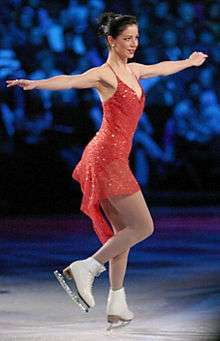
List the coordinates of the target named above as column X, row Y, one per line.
column 118, row 264
column 136, row 218
column 117, row 269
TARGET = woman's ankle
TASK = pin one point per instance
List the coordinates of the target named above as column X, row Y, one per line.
column 98, row 260
column 116, row 288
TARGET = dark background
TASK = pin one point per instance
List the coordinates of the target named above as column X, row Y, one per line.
column 175, row 154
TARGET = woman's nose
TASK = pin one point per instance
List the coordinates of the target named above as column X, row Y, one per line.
column 134, row 43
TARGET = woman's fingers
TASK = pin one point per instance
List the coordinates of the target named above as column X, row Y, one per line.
column 201, row 54
column 19, row 82
column 198, row 58
column 12, row 82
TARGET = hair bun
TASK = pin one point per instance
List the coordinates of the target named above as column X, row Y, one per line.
column 104, row 22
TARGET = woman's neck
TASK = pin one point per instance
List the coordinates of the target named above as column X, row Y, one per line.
column 116, row 60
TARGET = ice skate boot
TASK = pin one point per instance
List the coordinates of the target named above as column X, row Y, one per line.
column 118, row 314
column 82, row 273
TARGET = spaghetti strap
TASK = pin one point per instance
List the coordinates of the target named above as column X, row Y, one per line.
column 112, row 69
column 116, row 73
column 133, row 73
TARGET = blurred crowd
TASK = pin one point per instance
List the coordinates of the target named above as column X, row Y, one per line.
column 181, row 123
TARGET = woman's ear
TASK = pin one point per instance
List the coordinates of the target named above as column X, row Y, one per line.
column 110, row 41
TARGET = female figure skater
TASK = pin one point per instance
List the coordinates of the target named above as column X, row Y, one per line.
column 103, row 172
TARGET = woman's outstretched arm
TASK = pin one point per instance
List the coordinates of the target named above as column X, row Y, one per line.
column 169, row 67
column 88, row 79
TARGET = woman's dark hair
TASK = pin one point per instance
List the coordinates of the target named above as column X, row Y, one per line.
column 113, row 24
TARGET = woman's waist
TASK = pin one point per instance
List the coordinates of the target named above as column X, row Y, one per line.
column 111, row 146
column 114, row 134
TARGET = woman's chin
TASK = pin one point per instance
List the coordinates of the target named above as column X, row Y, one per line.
column 130, row 54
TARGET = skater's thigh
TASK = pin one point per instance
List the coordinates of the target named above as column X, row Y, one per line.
column 132, row 209
column 129, row 211
column 112, row 215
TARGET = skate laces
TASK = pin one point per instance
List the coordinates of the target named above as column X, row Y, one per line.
column 92, row 276
column 90, row 280
column 98, row 273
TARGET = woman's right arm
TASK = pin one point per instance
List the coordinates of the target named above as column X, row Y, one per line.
column 88, row 79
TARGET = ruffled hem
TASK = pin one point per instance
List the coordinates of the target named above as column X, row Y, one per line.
column 90, row 204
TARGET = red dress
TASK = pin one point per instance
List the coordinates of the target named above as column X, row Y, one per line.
column 103, row 170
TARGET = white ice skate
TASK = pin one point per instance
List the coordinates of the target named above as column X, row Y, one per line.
column 83, row 273
column 118, row 314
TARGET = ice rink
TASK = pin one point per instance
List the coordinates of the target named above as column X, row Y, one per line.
column 172, row 281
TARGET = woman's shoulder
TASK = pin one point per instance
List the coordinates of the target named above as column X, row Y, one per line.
column 103, row 69
column 105, row 74
column 134, row 67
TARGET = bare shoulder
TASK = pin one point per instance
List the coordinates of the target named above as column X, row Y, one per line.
column 135, row 68
column 144, row 70
column 106, row 76
column 95, row 77
column 94, row 72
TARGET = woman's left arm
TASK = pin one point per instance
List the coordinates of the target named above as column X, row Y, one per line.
column 169, row 67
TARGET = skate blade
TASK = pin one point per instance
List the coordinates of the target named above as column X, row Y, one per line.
column 75, row 296
column 117, row 324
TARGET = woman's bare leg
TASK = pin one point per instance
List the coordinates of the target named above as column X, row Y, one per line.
column 117, row 269
column 118, row 264
column 134, row 214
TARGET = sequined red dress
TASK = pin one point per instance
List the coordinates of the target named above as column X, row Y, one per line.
column 103, row 170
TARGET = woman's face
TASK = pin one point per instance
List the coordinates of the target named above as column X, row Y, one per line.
column 126, row 43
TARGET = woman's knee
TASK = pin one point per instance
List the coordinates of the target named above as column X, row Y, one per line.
column 151, row 226
column 121, row 256
column 146, row 230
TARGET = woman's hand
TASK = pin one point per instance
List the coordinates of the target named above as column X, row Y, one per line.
column 197, row 58
column 88, row 79
column 23, row 83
